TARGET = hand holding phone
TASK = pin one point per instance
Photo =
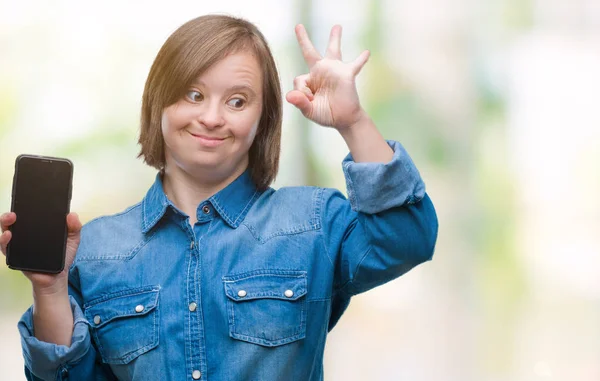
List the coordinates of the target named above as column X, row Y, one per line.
column 53, row 319
column 40, row 232
column 40, row 237
column 41, row 281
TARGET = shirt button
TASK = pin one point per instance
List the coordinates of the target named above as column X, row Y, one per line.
column 196, row 375
column 192, row 306
column 139, row 308
column 289, row 293
column 242, row 293
column 97, row 319
column 206, row 209
column 192, row 245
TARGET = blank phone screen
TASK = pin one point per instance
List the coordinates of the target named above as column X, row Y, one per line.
column 41, row 199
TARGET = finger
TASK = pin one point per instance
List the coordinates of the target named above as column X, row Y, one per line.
column 301, row 84
column 335, row 41
column 300, row 100
column 73, row 224
column 73, row 239
column 311, row 56
column 4, row 240
column 6, row 220
column 360, row 61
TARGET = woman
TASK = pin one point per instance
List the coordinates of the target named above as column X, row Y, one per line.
column 214, row 275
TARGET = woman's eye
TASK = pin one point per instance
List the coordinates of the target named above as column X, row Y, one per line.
column 194, row 96
column 236, row 102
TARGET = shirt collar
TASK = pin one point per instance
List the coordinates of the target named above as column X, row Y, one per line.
column 154, row 205
column 232, row 202
column 235, row 200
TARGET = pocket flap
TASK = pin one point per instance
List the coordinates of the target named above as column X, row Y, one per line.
column 266, row 284
column 135, row 302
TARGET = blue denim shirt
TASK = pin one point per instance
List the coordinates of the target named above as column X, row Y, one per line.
column 249, row 292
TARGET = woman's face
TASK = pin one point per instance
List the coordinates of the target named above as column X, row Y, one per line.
column 209, row 131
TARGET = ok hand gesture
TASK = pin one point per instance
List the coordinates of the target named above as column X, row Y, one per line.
column 327, row 93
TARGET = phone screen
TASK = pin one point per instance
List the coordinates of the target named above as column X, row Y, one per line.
column 41, row 200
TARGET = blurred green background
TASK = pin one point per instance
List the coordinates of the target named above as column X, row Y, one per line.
column 496, row 101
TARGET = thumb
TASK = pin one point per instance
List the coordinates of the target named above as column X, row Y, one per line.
column 73, row 224
column 73, row 238
column 300, row 100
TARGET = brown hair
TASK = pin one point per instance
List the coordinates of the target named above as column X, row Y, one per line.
column 186, row 54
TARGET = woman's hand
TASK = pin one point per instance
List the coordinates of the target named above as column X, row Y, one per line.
column 41, row 282
column 52, row 316
column 327, row 94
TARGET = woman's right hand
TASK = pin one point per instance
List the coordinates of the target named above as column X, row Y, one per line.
column 42, row 282
column 52, row 316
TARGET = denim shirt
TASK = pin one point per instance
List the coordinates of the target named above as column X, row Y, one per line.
column 249, row 292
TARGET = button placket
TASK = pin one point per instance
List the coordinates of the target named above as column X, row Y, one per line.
column 194, row 324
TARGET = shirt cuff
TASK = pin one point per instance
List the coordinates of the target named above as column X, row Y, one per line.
column 375, row 187
column 45, row 360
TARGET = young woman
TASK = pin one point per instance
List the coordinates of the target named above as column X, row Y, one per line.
column 214, row 275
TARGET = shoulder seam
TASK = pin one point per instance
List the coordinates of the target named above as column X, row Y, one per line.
column 129, row 209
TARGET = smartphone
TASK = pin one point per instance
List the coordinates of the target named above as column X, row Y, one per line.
column 41, row 198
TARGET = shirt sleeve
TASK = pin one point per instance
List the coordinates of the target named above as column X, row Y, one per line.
column 387, row 226
column 48, row 361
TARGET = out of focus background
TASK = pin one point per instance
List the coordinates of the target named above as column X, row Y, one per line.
column 496, row 101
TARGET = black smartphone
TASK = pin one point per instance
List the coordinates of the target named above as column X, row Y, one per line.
column 41, row 198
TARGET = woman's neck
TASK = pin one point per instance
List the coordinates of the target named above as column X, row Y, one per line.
column 186, row 192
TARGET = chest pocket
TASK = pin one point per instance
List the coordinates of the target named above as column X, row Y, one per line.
column 124, row 324
column 267, row 307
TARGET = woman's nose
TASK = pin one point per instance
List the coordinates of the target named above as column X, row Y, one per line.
column 211, row 116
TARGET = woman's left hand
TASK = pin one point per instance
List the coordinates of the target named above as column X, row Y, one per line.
column 327, row 94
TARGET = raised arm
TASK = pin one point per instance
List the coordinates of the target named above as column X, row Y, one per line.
column 388, row 224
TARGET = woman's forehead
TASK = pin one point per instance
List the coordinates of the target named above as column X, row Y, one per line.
column 234, row 70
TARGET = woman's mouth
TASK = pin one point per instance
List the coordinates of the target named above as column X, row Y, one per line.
column 208, row 141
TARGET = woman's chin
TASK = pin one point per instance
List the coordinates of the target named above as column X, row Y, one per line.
column 205, row 166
